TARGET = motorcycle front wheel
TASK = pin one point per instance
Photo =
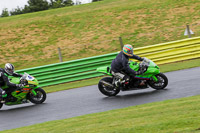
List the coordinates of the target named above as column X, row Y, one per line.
column 39, row 98
column 1, row 104
column 160, row 84
column 106, row 87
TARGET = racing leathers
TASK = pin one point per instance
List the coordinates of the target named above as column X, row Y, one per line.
column 4, row 80
column 120, row 64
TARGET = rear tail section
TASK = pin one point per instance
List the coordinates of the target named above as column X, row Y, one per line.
column 105, row 70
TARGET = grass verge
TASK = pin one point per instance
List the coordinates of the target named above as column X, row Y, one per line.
column 164, row 68
column 170, row 116
column 32, row 39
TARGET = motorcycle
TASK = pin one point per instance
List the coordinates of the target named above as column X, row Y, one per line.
column 29, row 93
column 151, row 76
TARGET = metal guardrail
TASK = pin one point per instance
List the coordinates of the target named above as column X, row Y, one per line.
column 85, row 68
column 172, row 51
column 69, row 71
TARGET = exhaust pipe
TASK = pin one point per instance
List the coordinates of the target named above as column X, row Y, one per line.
column 107, row 84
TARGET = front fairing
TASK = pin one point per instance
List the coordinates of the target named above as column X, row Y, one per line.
column 32, row 81
column 152, row 69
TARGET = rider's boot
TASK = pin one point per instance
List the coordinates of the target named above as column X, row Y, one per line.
column 117, row 82
column 3, row 96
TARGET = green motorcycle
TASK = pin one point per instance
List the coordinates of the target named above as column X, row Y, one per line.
column 30, row 92
column 111, row 86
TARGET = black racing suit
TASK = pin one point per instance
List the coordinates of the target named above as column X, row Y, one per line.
column 120, row 64
column 4, row 80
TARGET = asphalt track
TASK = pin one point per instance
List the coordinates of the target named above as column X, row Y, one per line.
column 87, row 100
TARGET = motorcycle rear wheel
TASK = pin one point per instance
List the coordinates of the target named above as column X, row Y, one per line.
column 160, row 84
column 107, row 90
column 39, row 98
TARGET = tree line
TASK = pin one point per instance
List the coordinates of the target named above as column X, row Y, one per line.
column 39, row 5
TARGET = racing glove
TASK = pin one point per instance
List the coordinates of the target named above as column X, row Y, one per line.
column 144, row 59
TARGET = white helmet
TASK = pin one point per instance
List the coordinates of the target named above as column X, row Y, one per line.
column 9, row 68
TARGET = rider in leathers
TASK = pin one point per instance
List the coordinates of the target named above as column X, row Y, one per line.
column 120, row 66
column 4, row 73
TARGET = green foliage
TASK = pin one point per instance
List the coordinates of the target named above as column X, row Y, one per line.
column 38, row 5
column 26, row 9
column 16, row 11
column 60, row 3
column 5, row 13
column 96, row 0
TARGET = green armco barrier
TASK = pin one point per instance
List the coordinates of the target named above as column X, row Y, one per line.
column 86, row 68
column 69, row 71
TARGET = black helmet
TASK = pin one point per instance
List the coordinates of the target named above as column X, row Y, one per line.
column 9, row 68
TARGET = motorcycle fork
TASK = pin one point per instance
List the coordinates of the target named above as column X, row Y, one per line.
column 34, row 92
column 155, row 78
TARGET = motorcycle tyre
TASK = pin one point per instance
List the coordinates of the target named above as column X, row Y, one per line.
column 158, row 87
column 43, row 98
column 102, row 90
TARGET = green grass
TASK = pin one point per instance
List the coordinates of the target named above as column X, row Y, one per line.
column 164, row 68
column 32, row 39
column 170, row 116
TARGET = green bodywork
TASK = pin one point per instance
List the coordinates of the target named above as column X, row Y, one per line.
column 22, row 95
column 152, row 70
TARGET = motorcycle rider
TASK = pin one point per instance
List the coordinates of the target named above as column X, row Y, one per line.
column 120, row 67
column 4, row 73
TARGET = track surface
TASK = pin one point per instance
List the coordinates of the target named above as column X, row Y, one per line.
column 86, row 100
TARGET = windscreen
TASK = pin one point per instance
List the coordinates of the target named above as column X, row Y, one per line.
column 24, row 76
column 28, row 77
column 145, row 62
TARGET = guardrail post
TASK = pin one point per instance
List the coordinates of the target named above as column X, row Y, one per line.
column 60, row 55
column 121, row 43
column 188, row 31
